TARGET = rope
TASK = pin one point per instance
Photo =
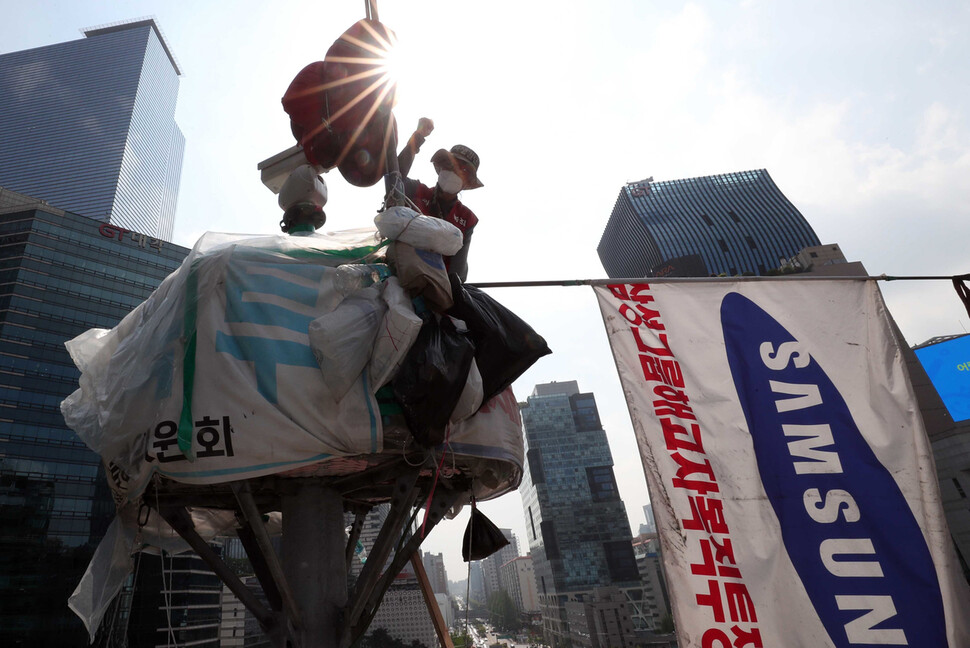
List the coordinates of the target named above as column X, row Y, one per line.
column 437, row 473
column 468, row 579
column 963, row 291
column 165, row 588
column 663, row 280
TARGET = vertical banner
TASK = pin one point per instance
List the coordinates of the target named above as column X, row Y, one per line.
column 791, row 478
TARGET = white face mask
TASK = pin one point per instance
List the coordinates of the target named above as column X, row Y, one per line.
column 449, row 181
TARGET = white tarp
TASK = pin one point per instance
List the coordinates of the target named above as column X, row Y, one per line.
column 213, row 379
column 791, row 477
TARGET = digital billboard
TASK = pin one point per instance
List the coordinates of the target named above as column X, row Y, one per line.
column 948, row 366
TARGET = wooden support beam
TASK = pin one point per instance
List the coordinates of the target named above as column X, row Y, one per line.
column 256, row 559
column 443, row 500
column 254, row 519
column 355, row 529
column 403, row 498
column 181, row 521
column 440, row 627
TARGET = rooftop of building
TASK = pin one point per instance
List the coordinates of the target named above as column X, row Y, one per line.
column 13, row 201
column 566, row 388
column 648, row 185
column 509, row 562
column 134, row 23
column 939, row 338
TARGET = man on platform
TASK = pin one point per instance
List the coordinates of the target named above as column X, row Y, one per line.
column 457, row 169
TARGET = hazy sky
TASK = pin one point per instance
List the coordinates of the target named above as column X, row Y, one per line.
column 858, row 110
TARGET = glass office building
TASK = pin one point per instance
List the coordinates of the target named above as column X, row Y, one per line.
column 575, row 521
column 89, row 126
column 60, row 275
column 731, row 224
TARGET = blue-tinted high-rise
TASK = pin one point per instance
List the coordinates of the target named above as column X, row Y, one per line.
column 89, row 126
column 730, row 224
column 575, row 521
column 60, row 275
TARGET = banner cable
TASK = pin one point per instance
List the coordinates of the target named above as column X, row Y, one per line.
column 659, row 280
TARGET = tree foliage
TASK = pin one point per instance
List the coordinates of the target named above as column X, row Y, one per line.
column 381, row 638
column 502, row 611
column 462, row 640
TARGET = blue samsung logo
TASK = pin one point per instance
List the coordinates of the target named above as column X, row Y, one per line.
column 850, row 534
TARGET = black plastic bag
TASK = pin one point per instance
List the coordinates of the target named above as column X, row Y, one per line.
column 482, row 537
column 505, row 346
column 432, row 377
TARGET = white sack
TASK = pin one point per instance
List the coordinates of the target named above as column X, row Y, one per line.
column 342, row 339
column 471, row 396
column 423, row 232
column 397, row 332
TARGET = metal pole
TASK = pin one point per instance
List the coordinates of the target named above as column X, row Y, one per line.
column 313, row 560
column 664, row 280
column 393, row 183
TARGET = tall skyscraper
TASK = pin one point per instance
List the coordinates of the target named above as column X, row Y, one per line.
column 60, row 275
column 576, row 525
column 89, row 126
column 734, row 223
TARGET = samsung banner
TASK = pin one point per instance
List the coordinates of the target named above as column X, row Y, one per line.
column 791, row 479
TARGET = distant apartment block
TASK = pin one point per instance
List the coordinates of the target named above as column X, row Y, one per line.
column 492, row 566
column 404, row 613
column 519, row 580
column 434, row 565
column 601, row 620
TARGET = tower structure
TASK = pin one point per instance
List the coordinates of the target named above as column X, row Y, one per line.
column 61, row 275
column 732, row 224
column 89, row 126
column 576, row 524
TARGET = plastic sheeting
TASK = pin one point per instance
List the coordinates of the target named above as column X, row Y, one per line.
column 213, row 379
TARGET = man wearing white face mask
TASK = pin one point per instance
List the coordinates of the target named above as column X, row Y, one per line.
column 457, row 170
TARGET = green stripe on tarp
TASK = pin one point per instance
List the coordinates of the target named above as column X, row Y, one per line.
column 350, row 253
column 189, row 332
